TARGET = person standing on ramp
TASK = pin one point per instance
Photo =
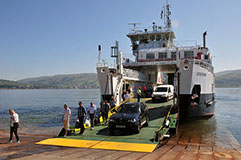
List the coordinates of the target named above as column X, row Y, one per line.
column 66, row 119
column 92, row 114
column 81, row 117
column 138, row 94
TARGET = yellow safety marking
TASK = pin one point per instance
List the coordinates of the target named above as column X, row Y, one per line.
column 68, row 142
column 121, row 146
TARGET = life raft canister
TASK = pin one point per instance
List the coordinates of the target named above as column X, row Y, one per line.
column 199, row 55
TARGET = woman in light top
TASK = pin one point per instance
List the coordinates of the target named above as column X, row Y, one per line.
column 14, row 124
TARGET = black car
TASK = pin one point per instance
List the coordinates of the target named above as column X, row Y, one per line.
column 129, row 116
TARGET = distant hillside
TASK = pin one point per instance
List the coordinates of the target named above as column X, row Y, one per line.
column 84, row 80
column 231, row 78
column 6, row 84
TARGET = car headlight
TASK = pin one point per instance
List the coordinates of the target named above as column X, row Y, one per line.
column 132, row 120
column 111, row 120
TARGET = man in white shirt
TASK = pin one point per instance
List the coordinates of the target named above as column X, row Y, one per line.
column 14, row 124
column 66, row 119
column 92, row 113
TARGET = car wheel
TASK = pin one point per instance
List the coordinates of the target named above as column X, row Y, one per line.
column 138, row 128
column 147, row 121
column 166, row 99
column 112, row 132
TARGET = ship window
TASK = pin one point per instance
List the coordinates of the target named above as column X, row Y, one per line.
column 141, row 56
column 162, row 55
column 158, row 37
column 188, row 54
column 150, row 56
column 173, row 55
column 152, row 37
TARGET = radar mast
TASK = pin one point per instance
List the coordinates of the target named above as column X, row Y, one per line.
column 165, row 15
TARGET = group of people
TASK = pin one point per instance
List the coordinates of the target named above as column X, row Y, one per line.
column 145, row 92
column 105, row 107
column 81, row 117
column 82, row 114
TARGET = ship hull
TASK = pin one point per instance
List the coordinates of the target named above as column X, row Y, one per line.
column 188, row 108
column 197, row 90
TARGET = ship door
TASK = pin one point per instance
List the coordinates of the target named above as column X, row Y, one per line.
column 195, row 97
column 126, row 87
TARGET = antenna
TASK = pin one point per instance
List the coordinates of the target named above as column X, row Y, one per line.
column 134, row 24
column 165, row 13
column 99, row 49
column 168, row 16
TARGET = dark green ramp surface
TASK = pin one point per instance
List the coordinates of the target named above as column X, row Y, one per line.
column 124, row 140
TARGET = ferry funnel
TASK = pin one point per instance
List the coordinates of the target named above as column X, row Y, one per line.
column 204, row 39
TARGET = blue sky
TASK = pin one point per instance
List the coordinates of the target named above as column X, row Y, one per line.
column 49, row 37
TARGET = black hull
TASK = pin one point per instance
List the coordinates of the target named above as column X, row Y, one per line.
column 203, row 107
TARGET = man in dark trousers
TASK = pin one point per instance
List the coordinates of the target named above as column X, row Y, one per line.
column 81, row 117
column 138, row 94
column 104, row 109
column 92, row 114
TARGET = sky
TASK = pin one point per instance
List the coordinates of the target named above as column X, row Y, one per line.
column 50, row 37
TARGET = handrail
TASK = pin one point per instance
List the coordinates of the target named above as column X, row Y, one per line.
column 118, row 86
column 162, row 126
column 111, row 112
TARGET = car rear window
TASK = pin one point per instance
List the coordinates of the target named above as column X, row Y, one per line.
column 129, row 108
column 161, row 89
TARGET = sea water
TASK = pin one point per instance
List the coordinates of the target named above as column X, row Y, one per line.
column 43, row 108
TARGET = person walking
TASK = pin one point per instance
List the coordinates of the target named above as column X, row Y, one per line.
column 138, row 94
column 81, row 116
column 66, row 119
column 14, row 124
column 92, row 114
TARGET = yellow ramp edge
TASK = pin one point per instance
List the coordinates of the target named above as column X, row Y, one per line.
column 135, row 147
column 68, row 142
column 121, row 146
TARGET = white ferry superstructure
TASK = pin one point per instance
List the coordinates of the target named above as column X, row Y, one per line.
column 160, row 60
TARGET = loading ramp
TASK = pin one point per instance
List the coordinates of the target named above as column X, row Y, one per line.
column 99, row 138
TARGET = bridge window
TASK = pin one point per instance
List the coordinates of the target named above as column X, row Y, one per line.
column 150, row 56
column 188, row 54
column 173, row 55
column 162, row 55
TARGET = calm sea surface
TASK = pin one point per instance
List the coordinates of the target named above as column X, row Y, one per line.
column 43, row 108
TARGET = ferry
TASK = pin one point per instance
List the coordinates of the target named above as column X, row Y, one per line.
column 160, row 60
